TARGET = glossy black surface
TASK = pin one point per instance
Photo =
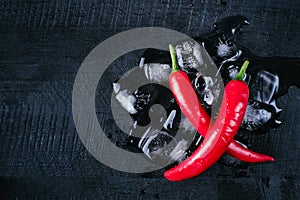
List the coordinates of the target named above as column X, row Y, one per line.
column 43, row 44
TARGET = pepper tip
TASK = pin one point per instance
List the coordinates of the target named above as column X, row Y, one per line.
column 169, row 175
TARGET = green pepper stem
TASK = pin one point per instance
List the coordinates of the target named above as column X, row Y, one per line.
column 175, row 66
column 242, row 72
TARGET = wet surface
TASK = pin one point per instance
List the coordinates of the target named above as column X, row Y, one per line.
column 43, row 45
column 266, row 85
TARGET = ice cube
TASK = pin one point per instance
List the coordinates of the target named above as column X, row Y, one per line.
column 157, row 73
column 127, row 101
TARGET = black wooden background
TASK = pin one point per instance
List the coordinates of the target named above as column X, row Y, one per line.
column 42, row 45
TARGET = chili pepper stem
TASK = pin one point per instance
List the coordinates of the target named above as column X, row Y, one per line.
column 242, row 72
column 175, row 66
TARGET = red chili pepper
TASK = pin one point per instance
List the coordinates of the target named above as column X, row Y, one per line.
column 220, row 135
column 191, row 107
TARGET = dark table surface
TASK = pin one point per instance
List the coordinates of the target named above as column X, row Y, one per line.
column 43, row 44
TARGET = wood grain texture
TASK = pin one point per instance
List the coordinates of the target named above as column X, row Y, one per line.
column 42, row 45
